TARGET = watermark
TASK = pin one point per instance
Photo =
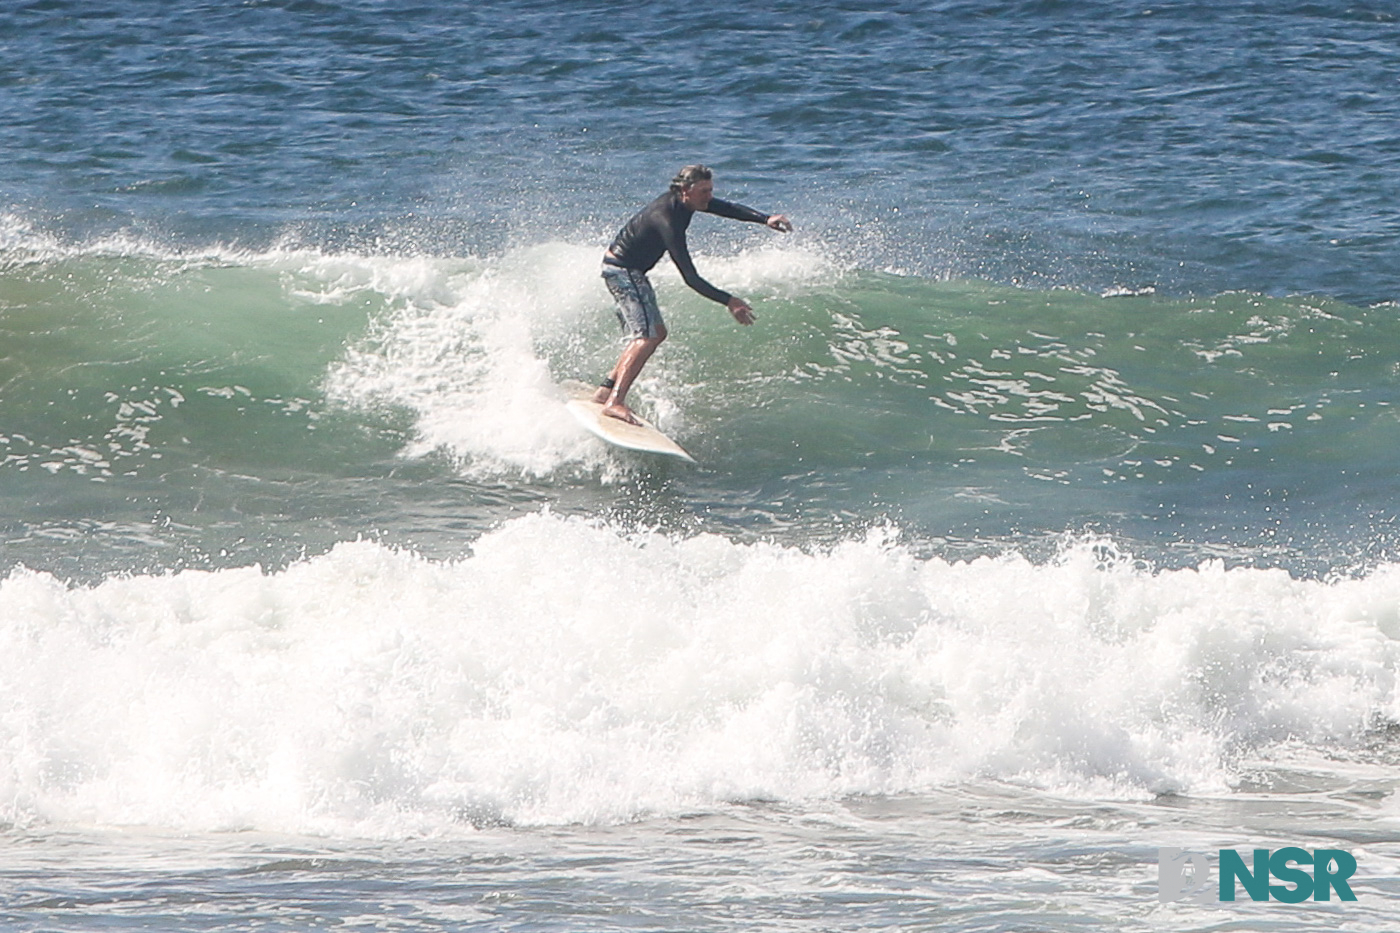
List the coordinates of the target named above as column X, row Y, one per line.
column 1186, row 876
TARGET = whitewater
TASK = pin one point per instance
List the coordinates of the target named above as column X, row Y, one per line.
column 381, row 609
column 372, row 691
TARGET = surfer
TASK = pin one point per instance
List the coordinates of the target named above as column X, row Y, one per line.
column 657, row 229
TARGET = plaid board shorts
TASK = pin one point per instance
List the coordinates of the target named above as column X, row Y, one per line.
column 637, row 310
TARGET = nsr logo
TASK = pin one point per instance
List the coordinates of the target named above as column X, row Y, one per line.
column 1331, row 869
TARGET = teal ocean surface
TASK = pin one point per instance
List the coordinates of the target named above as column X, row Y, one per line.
column 1046, row 518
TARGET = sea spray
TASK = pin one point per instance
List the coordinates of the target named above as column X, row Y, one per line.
column 476, row 352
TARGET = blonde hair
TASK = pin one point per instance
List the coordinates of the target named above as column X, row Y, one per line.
column 690, row 175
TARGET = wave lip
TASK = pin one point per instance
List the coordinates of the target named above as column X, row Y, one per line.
column 568, row 672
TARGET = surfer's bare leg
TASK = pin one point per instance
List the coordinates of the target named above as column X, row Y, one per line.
column 628, row 368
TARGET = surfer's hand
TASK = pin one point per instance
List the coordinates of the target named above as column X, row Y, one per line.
column 780, row 223
column 741, row 311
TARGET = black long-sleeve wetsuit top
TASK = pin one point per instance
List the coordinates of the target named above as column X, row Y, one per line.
column 660, row 227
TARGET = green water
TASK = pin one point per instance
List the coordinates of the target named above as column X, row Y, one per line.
column 196, row 409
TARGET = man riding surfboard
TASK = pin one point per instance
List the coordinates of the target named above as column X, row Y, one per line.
column 658, row 229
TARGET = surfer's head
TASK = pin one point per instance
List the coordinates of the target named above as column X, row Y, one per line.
column 695, row 184
column 690, row 175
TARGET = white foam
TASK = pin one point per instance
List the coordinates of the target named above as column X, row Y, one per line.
column 21, row 243
column 566, row 671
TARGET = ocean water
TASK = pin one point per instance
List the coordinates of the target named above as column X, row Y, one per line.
column 1046, row 518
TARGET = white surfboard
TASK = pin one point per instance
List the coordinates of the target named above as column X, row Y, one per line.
column 643, row 437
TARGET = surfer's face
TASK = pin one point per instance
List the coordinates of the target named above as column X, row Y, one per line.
column 697, row 196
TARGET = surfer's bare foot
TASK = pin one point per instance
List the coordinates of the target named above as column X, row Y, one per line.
column 621, row 413
column 602, row 395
